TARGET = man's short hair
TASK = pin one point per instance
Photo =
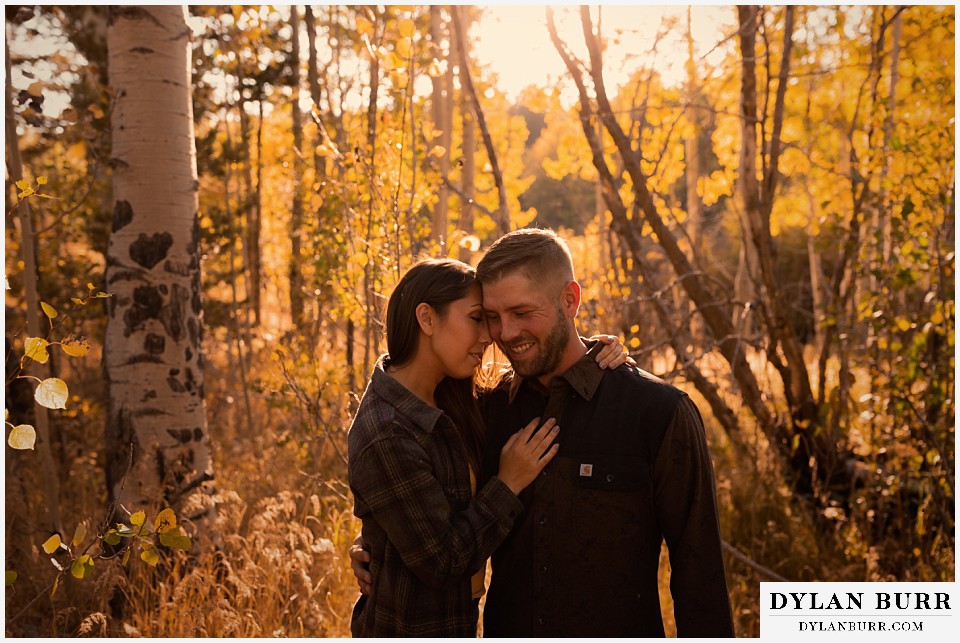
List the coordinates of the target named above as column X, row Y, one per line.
column 538, row 254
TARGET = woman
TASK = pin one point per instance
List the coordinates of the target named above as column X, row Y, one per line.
column 414, row 455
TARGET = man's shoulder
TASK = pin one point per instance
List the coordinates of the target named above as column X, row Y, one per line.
column 634, row 378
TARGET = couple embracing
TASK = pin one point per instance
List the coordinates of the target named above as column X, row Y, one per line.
column 569, row 471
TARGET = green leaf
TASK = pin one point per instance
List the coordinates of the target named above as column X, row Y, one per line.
column 52, row 393
column 11, row 577
column 112, row 537
column 35, row 348
column 52, row 544
column 175, row 539
column 48, row 310
column 22, row 437
column 82, row 567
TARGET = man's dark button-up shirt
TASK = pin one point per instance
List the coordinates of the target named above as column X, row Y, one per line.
column 426, row 533
column 633, row 469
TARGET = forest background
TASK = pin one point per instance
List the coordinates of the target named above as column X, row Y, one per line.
column 208, row 206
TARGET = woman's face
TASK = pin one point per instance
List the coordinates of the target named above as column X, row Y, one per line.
column 461, row 335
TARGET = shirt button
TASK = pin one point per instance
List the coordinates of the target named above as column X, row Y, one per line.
column 609, row 477
column 543, row 520
column 540, row 620
column 543, row 569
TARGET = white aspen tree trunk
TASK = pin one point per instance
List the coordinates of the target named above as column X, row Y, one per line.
column 153, row 352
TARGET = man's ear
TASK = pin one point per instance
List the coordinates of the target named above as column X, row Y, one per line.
column 570, row 298
column 427, row 318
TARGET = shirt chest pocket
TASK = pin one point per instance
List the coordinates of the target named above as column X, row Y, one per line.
column 612, row 499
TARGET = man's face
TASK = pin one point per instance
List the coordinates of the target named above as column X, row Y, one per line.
column 528, row 323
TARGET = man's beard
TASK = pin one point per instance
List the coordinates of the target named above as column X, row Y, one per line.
column 549, row 352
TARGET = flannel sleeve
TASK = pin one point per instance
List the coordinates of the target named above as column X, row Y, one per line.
column 395, row 478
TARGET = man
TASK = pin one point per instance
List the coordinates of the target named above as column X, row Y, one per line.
column 633, row 470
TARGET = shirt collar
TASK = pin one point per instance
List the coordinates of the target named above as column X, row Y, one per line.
column 583, row 377
column 401, row 398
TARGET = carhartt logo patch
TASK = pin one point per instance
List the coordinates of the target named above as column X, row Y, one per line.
column 586, row 470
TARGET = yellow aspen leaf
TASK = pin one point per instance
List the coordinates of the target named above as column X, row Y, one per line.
column 36, row 349
column 25, row 193
column 126, row 557
column 77, row 301
column 635, row 328
column 95, row 110
column 406, row 27
column 438, row 151
column 41, row 180
column 23, row 184
column 56, row 586
column 364, row 26
column 360, row 259
column 90, row 286
column 75, row 347
column 52, row 393
column 150, row 557
column 138, row 519
column 22, row 437
column 402, row 80
column 52, row 544
column 11, row 578
column 403, row 49
column 48, row 310
column 166, row 520
column 903, row 324
column 634, row 342
column 79, row 534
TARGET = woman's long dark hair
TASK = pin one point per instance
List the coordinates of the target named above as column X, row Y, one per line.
column 436, row 282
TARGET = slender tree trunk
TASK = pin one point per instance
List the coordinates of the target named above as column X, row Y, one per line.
column 503, row 212
column 438, row 109
column 468, row 173
column 691, row 154
column 256, row 224
column 251, row 244
column 313, row 81
column 371, row 334
column 153, row 350
column 35, row 328
column 236, row 315
column 296, row 211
